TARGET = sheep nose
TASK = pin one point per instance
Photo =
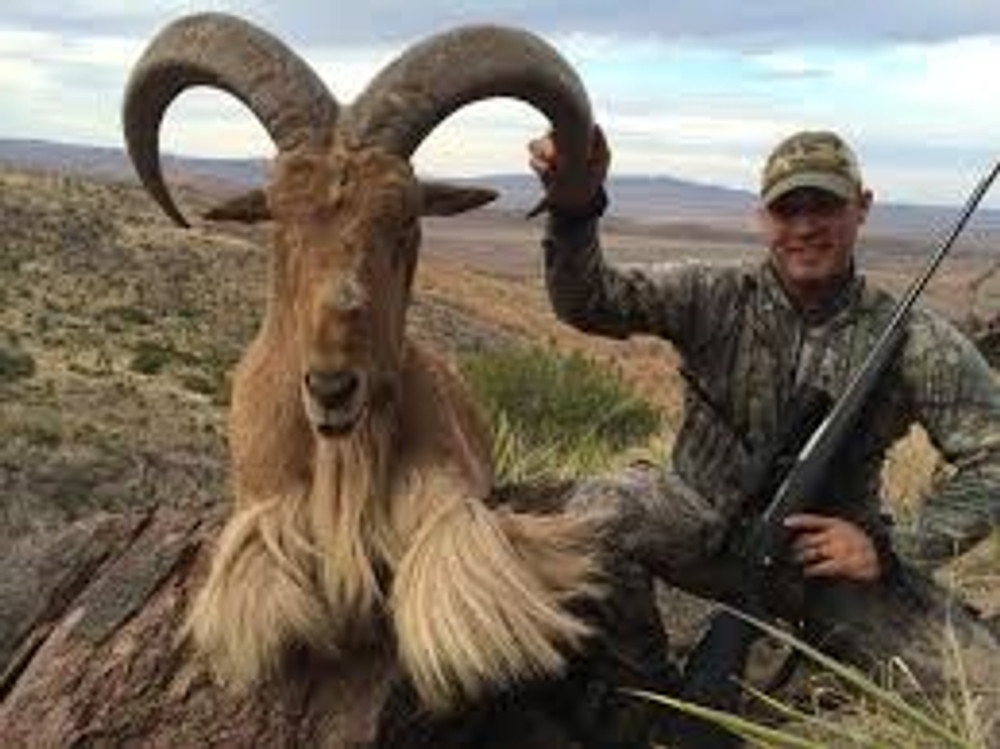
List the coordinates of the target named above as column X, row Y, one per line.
column 332, row 389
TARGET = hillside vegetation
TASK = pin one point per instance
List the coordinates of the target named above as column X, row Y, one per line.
column 118, row 331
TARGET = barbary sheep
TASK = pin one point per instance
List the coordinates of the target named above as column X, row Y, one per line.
column 360, row 464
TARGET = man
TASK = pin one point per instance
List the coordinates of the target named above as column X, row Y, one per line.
column 749, row 338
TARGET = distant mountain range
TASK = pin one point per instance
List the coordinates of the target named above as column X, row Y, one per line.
column 112, row 163
column 654, row 199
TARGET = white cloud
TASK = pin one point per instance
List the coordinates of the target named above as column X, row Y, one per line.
column 347, row 70
column 952, row 78
column 18, row 77
column 14, row 41
column 115, row 53
column 699, row 129
column 20, row 70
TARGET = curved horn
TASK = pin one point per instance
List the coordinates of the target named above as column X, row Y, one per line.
column 224, row 52
column 428, row 82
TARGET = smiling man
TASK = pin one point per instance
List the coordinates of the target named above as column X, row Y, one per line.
column 750, row 338
column 813, row 204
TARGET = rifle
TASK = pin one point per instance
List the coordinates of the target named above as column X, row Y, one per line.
column 792, row 472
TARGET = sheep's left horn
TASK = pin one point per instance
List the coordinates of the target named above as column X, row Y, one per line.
column 222, row 51
column 428, row 82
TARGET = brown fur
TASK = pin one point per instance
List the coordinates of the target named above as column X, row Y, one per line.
column 332, row 535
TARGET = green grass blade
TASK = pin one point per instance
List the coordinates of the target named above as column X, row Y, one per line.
column 742, row 727
column 791, row 713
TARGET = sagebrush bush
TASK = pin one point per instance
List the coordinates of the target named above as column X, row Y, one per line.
column 15, row 362
column 151, row 357
column 554, row 413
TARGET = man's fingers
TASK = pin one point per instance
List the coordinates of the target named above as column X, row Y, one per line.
column 825, row 568
column 542, row 157
column 812, row 546
column 542, row 168
column 805, row 541
column 834, row 557
column 805, row 521
column 809, row 554
column 542, row 149
column 851, row 568
column 576, row 195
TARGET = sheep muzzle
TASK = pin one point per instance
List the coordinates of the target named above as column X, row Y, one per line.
column 334, row 400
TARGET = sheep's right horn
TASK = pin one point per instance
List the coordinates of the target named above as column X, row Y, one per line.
column 438, row 76
column 224, row 52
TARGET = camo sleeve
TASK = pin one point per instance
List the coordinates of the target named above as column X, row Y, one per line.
column 957, row 400
column 663, row 299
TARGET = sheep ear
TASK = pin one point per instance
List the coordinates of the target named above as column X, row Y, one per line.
column 443, row 199
column 248, row 208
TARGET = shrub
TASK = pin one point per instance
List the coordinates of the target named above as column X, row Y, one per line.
column 44, row 433
column 118, row 317
column 150, row 357
column 15, row 363
column 556, row 414
column 198, row 382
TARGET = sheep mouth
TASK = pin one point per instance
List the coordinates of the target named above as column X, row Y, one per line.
column 331, row 419
column 337, row 423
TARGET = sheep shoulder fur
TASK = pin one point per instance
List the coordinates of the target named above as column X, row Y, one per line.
column 332, row 538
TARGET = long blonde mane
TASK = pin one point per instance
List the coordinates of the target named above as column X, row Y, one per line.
column 476, row 596
column 298, row 567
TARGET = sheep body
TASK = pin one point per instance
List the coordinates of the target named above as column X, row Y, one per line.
column 331, row 538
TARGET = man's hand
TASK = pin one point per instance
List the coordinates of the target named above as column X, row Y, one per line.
column 833, row 547
column 570, row 197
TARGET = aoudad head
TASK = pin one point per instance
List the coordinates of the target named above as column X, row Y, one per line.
column 342, row 195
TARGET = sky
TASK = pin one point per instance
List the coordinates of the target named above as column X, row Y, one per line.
column 696, row 90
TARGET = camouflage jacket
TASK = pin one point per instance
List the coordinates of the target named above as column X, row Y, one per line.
column 745, row 347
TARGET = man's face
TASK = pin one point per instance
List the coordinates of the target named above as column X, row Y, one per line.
column 811, row 234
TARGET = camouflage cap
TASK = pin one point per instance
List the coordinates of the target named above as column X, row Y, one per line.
column 811, row 158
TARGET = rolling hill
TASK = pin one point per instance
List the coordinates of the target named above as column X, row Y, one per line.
column 660, row 200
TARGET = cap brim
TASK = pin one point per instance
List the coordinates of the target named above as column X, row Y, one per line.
column 837, row 184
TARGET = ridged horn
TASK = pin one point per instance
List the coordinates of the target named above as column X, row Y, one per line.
column 434, row 78
column 224, row 52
